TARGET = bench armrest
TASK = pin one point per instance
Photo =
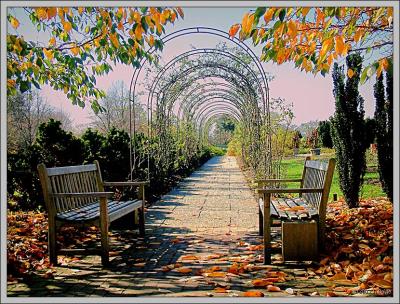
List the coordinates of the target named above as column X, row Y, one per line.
column 283, row 180
column 290, row 190
column 84, row 194
column 126, row 184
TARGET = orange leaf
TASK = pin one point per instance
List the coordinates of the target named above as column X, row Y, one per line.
column 252, row 294
column 292, row 29
column 305, row 11
column 358, row 35
column 184, row 270
column 350, row 74
column 51, row 12
column 261, row 282
column 138, row 32
column 233, row 30
column 220, row 290
column 216, row 274
column 75, row 50
column 67, row 26
column 339, row 45
column 48, row 53
column 189, row 257
column 273, row 288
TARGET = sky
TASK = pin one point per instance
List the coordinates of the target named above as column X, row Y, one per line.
column 311, row 96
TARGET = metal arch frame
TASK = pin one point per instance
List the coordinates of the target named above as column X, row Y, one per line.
column 189, row 31
column 182, row 75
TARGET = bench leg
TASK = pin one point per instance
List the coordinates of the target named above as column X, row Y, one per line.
column 260, row 222
column 141, row 222
column 104, row 225
column 52, row 243
column 141, row 211
column 105, row 248
column 267, row 229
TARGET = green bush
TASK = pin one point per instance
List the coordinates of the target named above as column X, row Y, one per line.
column 55, row 147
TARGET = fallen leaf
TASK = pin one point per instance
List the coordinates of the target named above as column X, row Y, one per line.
column 252, row 294
column 183, row 270
column 273, row 288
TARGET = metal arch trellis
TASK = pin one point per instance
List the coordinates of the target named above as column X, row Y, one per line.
column 216, row 111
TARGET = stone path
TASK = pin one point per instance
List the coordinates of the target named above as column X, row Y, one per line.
column 201, row 241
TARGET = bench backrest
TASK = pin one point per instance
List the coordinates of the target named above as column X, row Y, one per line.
column 318, row 174
column 71, row 179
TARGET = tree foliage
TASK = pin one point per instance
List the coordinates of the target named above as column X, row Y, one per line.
column 314, row 37
column 384, row 131
column 348, row 130
column 324, row 134
column 83, row 43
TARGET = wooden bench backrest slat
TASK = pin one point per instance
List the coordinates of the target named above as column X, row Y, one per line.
column 70, row 169
column 317, row 174
column 69, row 179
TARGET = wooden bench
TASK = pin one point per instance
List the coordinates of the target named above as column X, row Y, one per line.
column 75, row 195
column 310, row 206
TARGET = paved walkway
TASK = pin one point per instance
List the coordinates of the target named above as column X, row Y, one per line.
column 197, row 237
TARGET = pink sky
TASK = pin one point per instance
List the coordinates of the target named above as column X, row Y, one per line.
column 311, row 95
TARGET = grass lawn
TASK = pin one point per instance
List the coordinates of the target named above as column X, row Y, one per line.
column 293, row 168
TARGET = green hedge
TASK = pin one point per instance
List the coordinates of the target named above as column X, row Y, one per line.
column 56, row 147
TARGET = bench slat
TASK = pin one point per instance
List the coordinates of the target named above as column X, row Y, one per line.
column 315, row 164
column 70, row 169
column 301, row 214
column 273, row 211
column 116, row 209
column 311, row 210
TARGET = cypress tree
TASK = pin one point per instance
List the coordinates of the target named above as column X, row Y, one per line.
column 348, row 129
column 384, row 131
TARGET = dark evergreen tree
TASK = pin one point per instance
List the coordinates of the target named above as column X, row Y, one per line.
column 370, row 131
column 384, row 131
column 348, row 129
column 324, row 132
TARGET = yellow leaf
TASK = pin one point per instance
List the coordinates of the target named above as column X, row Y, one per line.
column 233, row 30
column 41, row 13
column 350, row 73
column 136, row 17
column 14, row 22
column 48, row 53
column 52, row 41
column 67, row 26
column 268, row 15
column 305, row 11
column 80, row 10
column 339, row 45
column 65, row 90
column 292, row 29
